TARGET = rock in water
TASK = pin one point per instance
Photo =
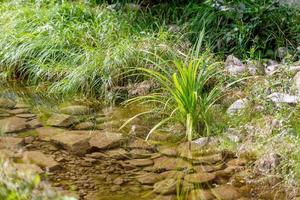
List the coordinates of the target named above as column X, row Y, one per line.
column 12, row 124
column 106, row 140
column 61, row 120
column 278, row 97
column 76, row 110
column 167, row 186
column 7, row 103
column 237, row 106
column 234, row 66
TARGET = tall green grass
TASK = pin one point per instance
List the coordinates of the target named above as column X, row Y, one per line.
column 74, row 47
column 186, row 93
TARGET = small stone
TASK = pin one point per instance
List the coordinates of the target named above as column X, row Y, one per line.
column 237, row 162
column 210, row 159
column 115, row 188
column 97, row 155
column 35, row 123
column 140, row 144
column 117, row 154
column 166, row 163
column 118, row 181
column 168, row 151
column 234, row 66
column 29, row 139
column 237, row 106
column 29, row 168
column 268, row 163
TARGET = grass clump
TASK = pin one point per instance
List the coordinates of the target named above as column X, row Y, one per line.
column 73, row 47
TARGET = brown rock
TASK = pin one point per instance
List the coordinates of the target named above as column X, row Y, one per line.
column 26, row 115
column 106, row 140
column 84, row 126
column 77, row 142
column 117, row 154
column 226, row 192
column 12, row 124
column 29, row 168
column 200, row 194
column 76, row 110
column 11, row 143
column 41, row 160
column 7, row 103
column 166, row 163
column 61, row 120
column 168, row 151
column 140, row 144
column 147, row 178
column 237, row 162
column 211, row 159
column 35, row 123
column 46, row 133
column 140, row 162
column 167, row 186
column 199, row 178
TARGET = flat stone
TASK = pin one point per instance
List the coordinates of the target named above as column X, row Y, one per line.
column 84, row 126
column 165, row 187
column 172, row 174
column 7, row 103
column 41, row 160
column 200, row 194
column 118, row 181
column 28, row 168
column 77, row 142
column 168, row 151
column 97, row 155
column 26, row 115
column 18, row 111
column 11, row 143
column 147, row 178
column 139, row 162
column 140, row 144
column 237, row 162
column 46, row 133
column 61, row 120
column 207, row 168
column 76, row 110
column 35, row 123
column 166, row 163
column 106, row 140
column 12, row 124
column 140, row 153
column 210, row 159
column 199, row 178
column 226, row 192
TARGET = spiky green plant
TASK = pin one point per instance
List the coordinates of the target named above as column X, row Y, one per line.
column 185, row 94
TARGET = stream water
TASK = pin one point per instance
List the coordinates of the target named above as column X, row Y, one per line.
column 81, row 150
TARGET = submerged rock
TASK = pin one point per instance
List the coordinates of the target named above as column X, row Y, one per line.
column 234, row 66
column 12, row 124
column 167, row 186
column 76, row 110
column 226, row 192
column 7, row 103
column 199, row 178
column 61, row 120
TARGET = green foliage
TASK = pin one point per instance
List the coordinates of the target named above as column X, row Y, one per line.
column 73, row 47
column 18, row 185
column 237, row 26
column 186, row 94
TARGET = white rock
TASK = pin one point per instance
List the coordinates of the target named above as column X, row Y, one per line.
column 234, row 66
column 237, row 106
column 278, row 97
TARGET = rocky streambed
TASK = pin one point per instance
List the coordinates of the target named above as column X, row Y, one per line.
column 81, row 151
